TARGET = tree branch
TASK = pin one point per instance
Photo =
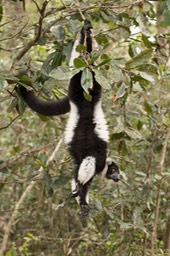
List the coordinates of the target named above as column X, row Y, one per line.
column 21, row 200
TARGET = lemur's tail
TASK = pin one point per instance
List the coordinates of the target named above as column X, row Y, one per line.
column 47, row 108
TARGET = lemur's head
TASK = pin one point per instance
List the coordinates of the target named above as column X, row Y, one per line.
column 112, row 170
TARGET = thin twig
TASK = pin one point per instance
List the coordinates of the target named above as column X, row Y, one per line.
column 5, row 127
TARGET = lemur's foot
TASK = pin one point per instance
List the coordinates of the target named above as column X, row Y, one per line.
column 85, row 209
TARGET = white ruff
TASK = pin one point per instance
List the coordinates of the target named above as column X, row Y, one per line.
column 71, row 124
column 86, row 170
column 104, row 171
column 101, row 128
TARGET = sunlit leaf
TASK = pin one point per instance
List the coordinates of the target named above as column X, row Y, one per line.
column 132, row 133
column 87, row 80
column 58, row 32
column 142, row 58
column 102, row 80
column 122, row 90
column 150, row 69
column 61, row 73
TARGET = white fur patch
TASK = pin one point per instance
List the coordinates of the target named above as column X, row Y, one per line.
column 74, row 53
column 71, row 124
column 104, row 171
column 74, row 191
column 86, row 170
column 74, row 186
column 101, row 128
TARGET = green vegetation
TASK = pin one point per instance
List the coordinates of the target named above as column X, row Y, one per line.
column 37, row 215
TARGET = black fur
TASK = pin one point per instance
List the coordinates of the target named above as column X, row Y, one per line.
column 46, row 108
column 85, row 141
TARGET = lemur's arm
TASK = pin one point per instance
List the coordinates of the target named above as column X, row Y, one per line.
column 46, row 108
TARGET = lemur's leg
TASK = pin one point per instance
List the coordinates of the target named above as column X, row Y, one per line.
column 80, row 192
column 80, row 185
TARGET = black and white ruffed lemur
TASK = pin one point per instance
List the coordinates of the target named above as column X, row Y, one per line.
column 86, row 134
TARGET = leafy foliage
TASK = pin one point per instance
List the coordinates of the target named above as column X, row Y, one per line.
column 132, row 66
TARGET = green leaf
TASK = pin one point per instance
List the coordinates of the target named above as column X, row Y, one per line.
column 96, row 55
column 2, row 99
column 87, row 96
column 58, row 32
column 132, row 133
column 1, row 186
column 139, row 125
column 150, row 69
column 101, row 39
column 61, row 180
column 80, row 47
column 87, row 80
column 142, row 81
column 53, row 60
column 48, row 182
column 166, row 18
column 104, row 60
column 142, row 58
column 102, row 80
column 13, row 105
column 21, row 103
column 74, row 26
column 117, row 136
column 57, row 59
column 132, row 51
column 24, row 79
column 61, row 73
column 79, row 63
column 122, row 90
column 148, row 108
column 146, row 42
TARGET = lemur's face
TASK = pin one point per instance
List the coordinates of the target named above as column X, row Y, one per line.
column 113, row 172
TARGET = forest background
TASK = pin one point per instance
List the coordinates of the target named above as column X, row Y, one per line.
column 37, row 214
